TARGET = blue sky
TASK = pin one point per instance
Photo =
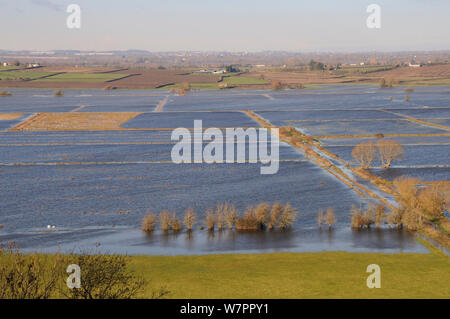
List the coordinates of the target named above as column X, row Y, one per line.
column 231, row 25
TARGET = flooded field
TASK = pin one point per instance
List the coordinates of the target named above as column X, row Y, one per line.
column 95, row 186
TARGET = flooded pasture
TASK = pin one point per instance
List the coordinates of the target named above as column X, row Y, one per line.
column 95, row 186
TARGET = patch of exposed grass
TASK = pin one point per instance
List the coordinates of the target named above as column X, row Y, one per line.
column 298, row 275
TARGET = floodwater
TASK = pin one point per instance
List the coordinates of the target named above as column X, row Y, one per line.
column 95, row 187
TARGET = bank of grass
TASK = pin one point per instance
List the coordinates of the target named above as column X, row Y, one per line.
column 298, row 275
column 193, row 86
column 241, row 80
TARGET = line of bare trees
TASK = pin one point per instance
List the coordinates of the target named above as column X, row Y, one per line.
column 386, row 151
column 417, row 205
column 225, row 216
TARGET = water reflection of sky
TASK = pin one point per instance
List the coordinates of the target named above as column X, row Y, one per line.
column 136, row 242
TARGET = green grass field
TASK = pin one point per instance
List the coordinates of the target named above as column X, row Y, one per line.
column 367, row 69
column 242, row 80
column 17, row 75
column 297, row 275
column 5, row 68
column 83, row 77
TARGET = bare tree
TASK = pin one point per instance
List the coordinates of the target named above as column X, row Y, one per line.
column 330, row 218
column 389, row 151
column 189, row 219
column 287, row 218
column 262, row 212
column 320, row 218
column 175, row 223
column 364, row 154
column 230, row 215
column 149, row 222
column 220, row 216
column 275, row 213
column 210, row 219
column 164, row 219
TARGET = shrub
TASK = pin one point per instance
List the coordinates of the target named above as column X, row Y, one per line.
column 276, row 85
column 186, row 86
column 356, row 213
column 58, row 93
column 369, row 215
column 275, row 213
column 220, row 216
column 380, row 214
column 5, row 93
column 416, row 204
column 320, row 218
column 28, row 276
column 165, row 219
column 149, row 222
column 395, row 218
column 223, row 85
column 434, row 200
column 230, row 215
column 296, row 86
column 262, row 214
column 172, row 90
column 210, row 219
column 330, row 218
column 248, row 221
column 287, row 218
column 175, row 223
column 105, row 277
column 189, row 219
column 384, row 84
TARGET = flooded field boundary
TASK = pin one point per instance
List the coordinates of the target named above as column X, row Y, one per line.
column 412, row 119
column 10, row 116
column 352, row 136
column 319, row 156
